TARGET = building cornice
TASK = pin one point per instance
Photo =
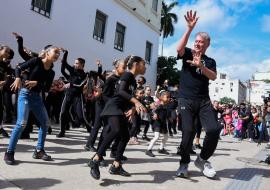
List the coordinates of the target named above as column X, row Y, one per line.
column 125, row 5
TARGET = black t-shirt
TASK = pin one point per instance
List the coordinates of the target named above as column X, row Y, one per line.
column 37, row 72
column 194, row 84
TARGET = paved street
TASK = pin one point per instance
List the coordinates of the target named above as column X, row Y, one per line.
column 236, row 164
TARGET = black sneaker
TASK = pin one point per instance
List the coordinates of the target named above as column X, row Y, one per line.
column 198, row 146
column 123, row 158
column 50, row 130
column 163, row 151
column 94, row 172
column 144, row 137
column 9, row 158
column 118, row 171
column 41, row 155
column 149, row 153
column 103, row 163
column 4, row 133
column 60, row 135
column 90, row 148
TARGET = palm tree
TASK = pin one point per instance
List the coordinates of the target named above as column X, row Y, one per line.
column 167, row 20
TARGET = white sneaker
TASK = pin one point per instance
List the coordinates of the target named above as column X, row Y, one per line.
column 205, row 167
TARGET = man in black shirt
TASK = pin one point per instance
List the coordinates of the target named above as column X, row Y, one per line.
column 194, row 98
column 74, row 94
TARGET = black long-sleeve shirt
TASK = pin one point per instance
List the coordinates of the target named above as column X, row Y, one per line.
column 76, row 77
column 37, row 72
column 109, row 88
column 125, row 91
column 21, row 51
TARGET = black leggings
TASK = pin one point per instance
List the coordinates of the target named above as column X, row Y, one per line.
column 117, row 127
column 97, row 124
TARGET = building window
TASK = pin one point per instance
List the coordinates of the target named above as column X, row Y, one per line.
column 155, row 5
column 119, row 37
column 222, row 76
column 42, row 7
column 148, row 52
column 99, row 29
column 216, row 89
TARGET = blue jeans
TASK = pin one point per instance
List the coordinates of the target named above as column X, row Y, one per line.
column 29, row 101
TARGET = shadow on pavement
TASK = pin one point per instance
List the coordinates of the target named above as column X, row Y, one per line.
column 31, row 184
column 159, row 177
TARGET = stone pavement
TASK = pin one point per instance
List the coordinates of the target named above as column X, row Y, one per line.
column 237, row 165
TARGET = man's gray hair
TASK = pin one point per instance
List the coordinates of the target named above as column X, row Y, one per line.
column 205, row 35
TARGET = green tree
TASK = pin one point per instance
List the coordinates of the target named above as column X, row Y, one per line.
column 166, row 70
column 167, row 20
column 226, row 100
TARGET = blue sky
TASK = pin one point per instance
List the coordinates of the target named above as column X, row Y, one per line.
column 240, row 32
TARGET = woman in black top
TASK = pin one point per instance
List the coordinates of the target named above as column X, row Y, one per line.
column 39, row 78
column 118, row 110
column 4, row 55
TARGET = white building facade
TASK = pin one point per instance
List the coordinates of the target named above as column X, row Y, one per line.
column 91, row 29
column 225, row 87
column 261, row 76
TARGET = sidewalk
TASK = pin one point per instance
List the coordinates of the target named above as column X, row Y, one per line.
column 236, row 164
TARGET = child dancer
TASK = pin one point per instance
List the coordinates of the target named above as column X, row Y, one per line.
column 159, row 124
column 118, row 111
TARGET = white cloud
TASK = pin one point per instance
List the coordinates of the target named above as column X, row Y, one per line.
column 244, row 71
column 265, row 23
column 211, row 16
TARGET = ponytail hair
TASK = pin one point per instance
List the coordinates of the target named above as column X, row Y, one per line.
column 131, row 59
column 117, row 62
column 46, row 49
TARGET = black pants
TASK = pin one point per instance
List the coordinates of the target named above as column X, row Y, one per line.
column 198, row 127
column 135, row 127
column 53, row 104
column 1, row 107
column 75, row 100
column 7, row 100
column 97, row 124
column 172, row 121
column 117, row 127
column 189, row 110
